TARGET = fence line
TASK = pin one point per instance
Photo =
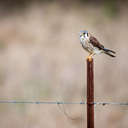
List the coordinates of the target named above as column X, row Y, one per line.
column 112, row 103
column 60, row 102
column 38, row 102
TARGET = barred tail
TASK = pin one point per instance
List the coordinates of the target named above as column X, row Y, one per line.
column 109, row 52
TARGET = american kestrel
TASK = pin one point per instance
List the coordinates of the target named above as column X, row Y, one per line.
column 92, row 45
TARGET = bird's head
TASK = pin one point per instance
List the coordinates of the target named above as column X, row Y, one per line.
column 84, row 35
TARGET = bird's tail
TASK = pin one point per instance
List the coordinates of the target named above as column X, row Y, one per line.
column 109, row 52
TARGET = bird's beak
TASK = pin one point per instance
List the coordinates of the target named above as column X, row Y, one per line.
column 81, row 35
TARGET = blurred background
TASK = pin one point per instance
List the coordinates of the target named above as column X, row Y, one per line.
column 41, row 59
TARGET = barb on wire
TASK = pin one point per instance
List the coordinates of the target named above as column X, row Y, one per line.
column 59, row 102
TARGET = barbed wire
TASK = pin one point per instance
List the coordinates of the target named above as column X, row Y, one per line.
column 112, row 103
column 38, row 102
column 59, row 102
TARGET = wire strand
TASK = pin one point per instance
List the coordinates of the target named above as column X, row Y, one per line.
column 112, row 103
column 59, row 102
column 37, row 102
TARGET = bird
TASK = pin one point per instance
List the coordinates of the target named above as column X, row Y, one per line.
column 93, row 46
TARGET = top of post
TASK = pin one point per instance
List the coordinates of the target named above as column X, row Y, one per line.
column 89, row 59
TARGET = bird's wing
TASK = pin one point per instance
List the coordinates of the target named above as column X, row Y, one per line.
column 96, row 43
